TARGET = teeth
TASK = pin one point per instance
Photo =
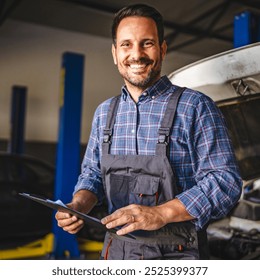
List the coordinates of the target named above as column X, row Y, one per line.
column 137, row 66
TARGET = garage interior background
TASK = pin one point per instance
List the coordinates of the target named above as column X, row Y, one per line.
column 35, row 34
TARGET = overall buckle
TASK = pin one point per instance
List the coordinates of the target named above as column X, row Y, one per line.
column 163, row 136
column 107, row 135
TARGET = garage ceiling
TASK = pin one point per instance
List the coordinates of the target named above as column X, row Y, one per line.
column 199, row 27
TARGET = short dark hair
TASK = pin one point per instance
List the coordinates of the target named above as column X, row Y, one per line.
column 140, row 10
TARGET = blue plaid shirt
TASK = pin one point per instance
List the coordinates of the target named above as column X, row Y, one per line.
column 200, row 150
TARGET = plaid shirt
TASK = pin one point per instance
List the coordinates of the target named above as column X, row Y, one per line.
column 200, row 150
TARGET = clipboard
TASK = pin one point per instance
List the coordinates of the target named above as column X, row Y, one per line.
column 58, row 205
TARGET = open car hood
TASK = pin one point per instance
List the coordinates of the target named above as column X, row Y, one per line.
column 232, row 80
column 242, row 115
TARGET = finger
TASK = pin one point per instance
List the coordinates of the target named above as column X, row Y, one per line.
column 128, row 228
column 62, row 215
column 67, row 221
column 123, row 220
column 123, row 215
column 116, row 215
column 75, row 227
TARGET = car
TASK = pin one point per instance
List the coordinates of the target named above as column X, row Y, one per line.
column 24, row 220
column 232, row 80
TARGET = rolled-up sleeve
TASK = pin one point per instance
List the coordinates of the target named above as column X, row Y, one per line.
column 218, row 182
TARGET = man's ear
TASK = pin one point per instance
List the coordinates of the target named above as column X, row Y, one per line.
column 163, row 49
column 114, row 54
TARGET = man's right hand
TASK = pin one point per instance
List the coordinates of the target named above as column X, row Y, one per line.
column 83, row 201
column 69, row 223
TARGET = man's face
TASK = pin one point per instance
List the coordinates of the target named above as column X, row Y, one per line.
column 137, row 53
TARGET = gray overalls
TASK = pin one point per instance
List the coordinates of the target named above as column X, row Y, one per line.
column 147, row 180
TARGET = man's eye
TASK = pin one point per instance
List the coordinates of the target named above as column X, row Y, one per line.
column 125, row 45
column 148, row 44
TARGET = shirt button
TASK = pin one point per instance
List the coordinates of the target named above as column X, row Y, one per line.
column 145, row 93
column 153, row 97
column 132, row 131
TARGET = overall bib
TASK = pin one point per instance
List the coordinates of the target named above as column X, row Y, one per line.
column 146, row 180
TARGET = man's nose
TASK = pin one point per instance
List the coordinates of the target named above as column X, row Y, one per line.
column 137, row 52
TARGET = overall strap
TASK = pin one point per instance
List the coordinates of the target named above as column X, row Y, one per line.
column 111, row 117
column 162, row 146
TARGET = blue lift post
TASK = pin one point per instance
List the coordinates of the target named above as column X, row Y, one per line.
column 68, row 149
column 18, row 109
column 246, row 29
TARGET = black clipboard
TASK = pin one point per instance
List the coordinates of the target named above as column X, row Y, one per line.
column 60, row 206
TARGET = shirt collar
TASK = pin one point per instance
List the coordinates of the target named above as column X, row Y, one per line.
column 153, row 91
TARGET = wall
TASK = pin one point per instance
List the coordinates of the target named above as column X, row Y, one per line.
column 30, row 55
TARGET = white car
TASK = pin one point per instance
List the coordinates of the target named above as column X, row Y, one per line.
column 232, row 80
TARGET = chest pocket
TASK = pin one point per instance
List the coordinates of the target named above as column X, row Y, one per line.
column 128, row 189
column 144, row 190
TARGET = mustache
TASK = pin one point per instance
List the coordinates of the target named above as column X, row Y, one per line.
column 141, row 60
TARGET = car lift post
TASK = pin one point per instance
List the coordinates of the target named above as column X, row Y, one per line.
column 68, row 148
column 246, row 29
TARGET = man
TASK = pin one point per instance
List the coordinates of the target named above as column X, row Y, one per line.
column 159, row 154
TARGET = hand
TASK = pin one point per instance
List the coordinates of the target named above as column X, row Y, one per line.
column 69, row 223
column 135, row 217
column 83, row 201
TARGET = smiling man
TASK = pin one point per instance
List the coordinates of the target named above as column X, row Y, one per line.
column 159, row 154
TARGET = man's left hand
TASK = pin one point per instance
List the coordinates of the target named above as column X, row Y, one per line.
column 135, row 217
column 139, row 217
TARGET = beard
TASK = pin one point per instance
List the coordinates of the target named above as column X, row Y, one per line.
column 150, row 79
column 143, row 83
